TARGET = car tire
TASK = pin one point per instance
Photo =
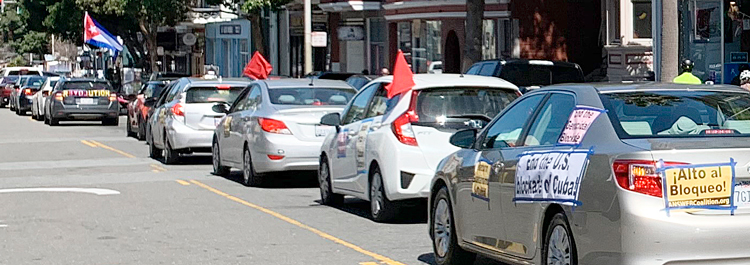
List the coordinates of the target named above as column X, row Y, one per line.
column 141, row 135
column 170, row 155
column 250, row 178
column 46, row 121
column 559, row 246
column 153, row 151
column 327, row 196
column 381, row 209
column 111, row 121
column 54, row 122
column 443, row 232
column 219, row 170
column 129, row 129
column 18, row 111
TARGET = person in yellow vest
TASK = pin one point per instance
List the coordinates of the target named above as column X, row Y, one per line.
column 687, row 76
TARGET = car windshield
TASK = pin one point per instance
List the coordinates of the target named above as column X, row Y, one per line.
column 153, row 90
column 35, row 82
column 525, row 75
column 213, row 94
column 86, row 85
column 452, row 108
column 9, row 80
column 658, row 114
column 310, row 96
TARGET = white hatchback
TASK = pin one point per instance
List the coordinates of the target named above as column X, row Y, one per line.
column 386, row 150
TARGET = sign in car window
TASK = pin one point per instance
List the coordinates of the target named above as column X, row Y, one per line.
column 578, row 125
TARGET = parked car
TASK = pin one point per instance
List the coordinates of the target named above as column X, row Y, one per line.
column 273, row 127
column 82, row 99
column 529, row 74
column 386, row 150
column 40, row 97
column 330, row 75
column 7, row 84
column 138, row 111
column 26, row 94
column 435, row 68
column 519, row 192
column 358, row 81
column 183, row 120
column 16, row 92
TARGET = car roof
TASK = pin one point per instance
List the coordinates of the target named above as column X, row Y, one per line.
column 305, row 82
column 83, row 80
column 532, row 61
column 614, row 87
column 423, row 81
column 195, row 81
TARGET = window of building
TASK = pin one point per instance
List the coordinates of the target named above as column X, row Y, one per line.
column 641, row 19
column 489, row 39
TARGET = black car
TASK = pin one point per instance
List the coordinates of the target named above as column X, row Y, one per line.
column 529, row 74
column 358, row 81
column 23, row 96
column 82, row 99
column 166, row 76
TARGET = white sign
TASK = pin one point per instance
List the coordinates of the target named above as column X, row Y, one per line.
column 189, row 39
column 553, row 176
column 349, row 33
column 319, row 39
column 578, row 124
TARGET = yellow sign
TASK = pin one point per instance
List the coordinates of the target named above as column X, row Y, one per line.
column 481, row 179
column 699, row 186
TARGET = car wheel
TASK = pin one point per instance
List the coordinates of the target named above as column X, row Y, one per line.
column 250, row 178
column 54, row 122
column 219, row 170
column 170, row 156
column 443, row 232
column 129, row 128
column 327, row 196
column 141, row 130
column 381, row 208
column 153, row 151
column 559, row 247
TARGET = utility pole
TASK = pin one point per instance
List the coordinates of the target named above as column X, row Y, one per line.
column 308, row 36
column 668, row 59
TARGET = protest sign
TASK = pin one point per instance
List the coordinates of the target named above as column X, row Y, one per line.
column 552, row 176
column 578, row 124
column 708, row 186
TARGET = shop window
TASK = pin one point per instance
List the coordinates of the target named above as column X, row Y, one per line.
column 489, row 39
column 404, row 39
column 209, row 51
column 641, row 19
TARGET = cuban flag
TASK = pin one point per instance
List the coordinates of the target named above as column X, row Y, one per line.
column 96, row 35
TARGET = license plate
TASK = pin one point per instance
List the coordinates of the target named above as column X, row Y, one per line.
column 85, row 101
column 742, row 194
column 322, row 130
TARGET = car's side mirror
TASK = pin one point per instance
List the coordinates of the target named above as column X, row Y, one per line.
column 150, row 102
column 331, row 119
column 221, row 107
column 464, row 138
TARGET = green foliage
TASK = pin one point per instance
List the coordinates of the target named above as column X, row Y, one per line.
column 12, row 25
column 18, row 61
column 255, row 6
column 33, row 42
column 65, row 19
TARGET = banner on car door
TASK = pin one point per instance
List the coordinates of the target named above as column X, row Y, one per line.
column 550, row 176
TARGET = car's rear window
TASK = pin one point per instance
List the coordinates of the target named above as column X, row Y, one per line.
column 310, row 96
column 657, row 114
column 455, row 107
column 35, row 82
column 24, row 72
column 213, row 94
column 86, row 85
column 525, row 75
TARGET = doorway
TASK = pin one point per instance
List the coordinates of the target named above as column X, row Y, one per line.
column 452, row 54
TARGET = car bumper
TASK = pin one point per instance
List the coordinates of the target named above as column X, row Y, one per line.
column 183, row 137
column 75, row 112
column 24, row 103
column 406, row 173
column 650, row 236
column 298, row 155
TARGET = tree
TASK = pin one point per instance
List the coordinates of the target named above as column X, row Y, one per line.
column 18, row 61
column 33, row 42
column 252, row 10
column 473, row 45
column 12, row 25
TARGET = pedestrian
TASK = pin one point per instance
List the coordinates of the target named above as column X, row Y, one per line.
column 687, row 76
column 384, row 72
column 745, row 80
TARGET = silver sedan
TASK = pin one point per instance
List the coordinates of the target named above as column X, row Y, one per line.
column 275, row 126
column 601, row 174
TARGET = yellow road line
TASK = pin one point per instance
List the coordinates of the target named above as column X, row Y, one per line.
column 155, row 171
column 158, row 167
column 368, row 263
column 112, row 149
column 322, row 234
column 31, row 119
column 88, row 143
column 184, row 183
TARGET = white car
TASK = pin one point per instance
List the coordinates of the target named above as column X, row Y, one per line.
column 386, row 150
column 38, row 101
column 20, row 71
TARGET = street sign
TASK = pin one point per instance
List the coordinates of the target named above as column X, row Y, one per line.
column 319, row 39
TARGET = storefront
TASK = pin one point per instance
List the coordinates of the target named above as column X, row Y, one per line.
column 357, row 35
column 228, row 46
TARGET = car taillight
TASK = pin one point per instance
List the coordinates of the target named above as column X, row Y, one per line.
column 401, row 127
column 58, row 96
column 28, row 92
column 640, row 176
column 112, row 97
column 177, row 110
column 223, row 87
column 273, row 126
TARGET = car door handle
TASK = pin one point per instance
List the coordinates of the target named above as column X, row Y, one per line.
column 498, row 167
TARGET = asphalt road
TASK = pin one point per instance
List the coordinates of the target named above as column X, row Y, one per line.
column 82, row 193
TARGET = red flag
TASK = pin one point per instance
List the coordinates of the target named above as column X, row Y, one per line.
column 403, row 78
column 258, row 68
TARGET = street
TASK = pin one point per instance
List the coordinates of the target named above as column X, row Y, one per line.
column 82, row 193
